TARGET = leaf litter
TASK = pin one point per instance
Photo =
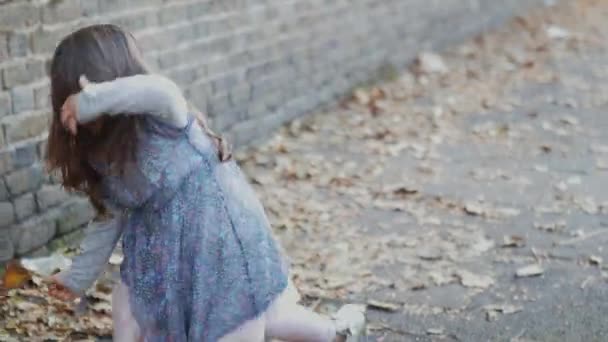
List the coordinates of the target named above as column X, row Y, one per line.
column 28, row 312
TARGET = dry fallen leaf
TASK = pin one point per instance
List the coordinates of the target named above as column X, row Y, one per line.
column 435, row 331
column 383, row 306
column 557, row 33
column 362, row 97
column 46, row 266
column 430, row 254
column 116, row 259
column 602, row 164
column 513, row 241
column 468, row 279
column 431, row 63
column 529, row 271
column 595, row 260
column 102, row 307
column 15, row 275
column 493, row 310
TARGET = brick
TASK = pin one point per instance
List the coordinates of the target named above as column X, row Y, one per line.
column 89, row 7
column 76, row 215
column 152, row 63
column 244, row 132
column 151, row 41
column 257, row 109
column 45, row 39
column 157, row 4
column 6, row 162
column 200, row 103
column 220, row 26
column 225, row 82
column 106, row 6
column 173, row 14
column 4, row 52
column 42, row 147
column 55, row 177
column 265, row 86
column 218, row 105
column 22, row 99
column 24, row 180
column 68, row 240
column 61, row 11
column 25, row 206
column 24, row 156
column 137, row 21
column 222, row 121
column 51, row 196
column 47, row 66
column 42, row 96
column 256, row 72
column 239, row 95
column 217, row 67
column 32, row 234
column 219, row 47
column 22, row 73
column 7, row 214
column 201, row 28
column 7, row 250
column 24, row 127
column 182, row 75
column 39, row 252
column 296, row 106
column 199, row 94
column 169, row 60
column 4, row 195
column 18, row 14
column 199, row 9
column 5, row 104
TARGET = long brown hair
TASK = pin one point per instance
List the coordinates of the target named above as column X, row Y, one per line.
column 102, row 53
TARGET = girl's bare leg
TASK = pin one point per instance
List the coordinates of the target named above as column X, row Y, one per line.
column 288, row 321
column 125, row 326
column 250, row 331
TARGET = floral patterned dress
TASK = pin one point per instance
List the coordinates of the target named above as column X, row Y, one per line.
column 199, row 256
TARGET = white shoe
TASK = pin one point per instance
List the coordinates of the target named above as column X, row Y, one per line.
column 350, row 322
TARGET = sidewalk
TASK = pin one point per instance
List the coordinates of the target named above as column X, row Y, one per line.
column 427, row 195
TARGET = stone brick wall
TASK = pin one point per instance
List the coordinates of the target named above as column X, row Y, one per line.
column 251, row 64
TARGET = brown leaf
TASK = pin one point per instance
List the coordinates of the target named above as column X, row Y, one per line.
column 362, row 97
column 513, row 241
column 383, row 306
column 468, row 279
column 15, row 275
column 595, row 260
column 401, row 190
column 102, row 307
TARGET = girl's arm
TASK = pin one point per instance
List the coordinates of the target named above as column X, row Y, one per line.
column 96, row 248
column 140, row 94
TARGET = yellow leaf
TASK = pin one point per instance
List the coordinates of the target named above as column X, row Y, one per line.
column 15, row 275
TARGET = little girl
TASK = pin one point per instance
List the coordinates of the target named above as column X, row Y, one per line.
column 200, row 263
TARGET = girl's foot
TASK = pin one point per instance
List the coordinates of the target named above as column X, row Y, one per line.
column 350, row 323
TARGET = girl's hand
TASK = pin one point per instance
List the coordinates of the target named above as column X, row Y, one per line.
column 57, row 290
column 69, row 110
